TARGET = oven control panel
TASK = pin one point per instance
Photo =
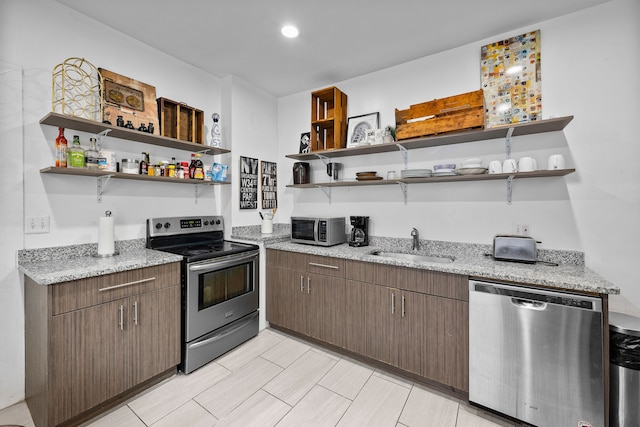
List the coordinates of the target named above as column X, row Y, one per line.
column 183, row 225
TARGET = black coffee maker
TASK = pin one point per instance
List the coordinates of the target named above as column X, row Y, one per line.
column 360, row 232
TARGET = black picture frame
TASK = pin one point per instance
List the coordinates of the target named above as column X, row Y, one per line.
column 305, row 143
column 358, row 125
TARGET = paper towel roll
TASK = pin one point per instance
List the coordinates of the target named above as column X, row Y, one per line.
column 106, row 244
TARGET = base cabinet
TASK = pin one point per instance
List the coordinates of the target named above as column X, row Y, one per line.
column 411, row 319
column 97, row 338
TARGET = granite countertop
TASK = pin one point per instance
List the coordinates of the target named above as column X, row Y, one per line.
column 470, row 260
column 48, row 266
column 253, row 233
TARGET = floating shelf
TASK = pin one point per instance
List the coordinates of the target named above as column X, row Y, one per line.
column 120, row 175
column 90, row 126
column 436, row 179
column 549, row 125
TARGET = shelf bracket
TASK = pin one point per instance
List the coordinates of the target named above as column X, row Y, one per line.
column 404, row 188
column 324, row 159
column 507, row 142
column 510, row 188
column 326, row 191
column 405, row 155
column 101, row 184
column 196, row 193
column 101, row 136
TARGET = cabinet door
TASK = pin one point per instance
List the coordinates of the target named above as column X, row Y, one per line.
column 154, row 333
column 285, row 292
column 324, row 307
column 355, row 320
column 381, row 312
column 453, row 343
column 417, row 330
column 88, row 358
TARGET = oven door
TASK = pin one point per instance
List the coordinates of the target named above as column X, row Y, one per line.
column 303, row 230
column 220, row 291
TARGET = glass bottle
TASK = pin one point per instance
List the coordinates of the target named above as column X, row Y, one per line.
column 75, row 154
column 61, row 149
column 192, row 166
column 144, row 164
column 91, row 155
column 199, row 170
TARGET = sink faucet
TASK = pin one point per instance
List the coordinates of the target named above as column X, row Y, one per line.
column 415, row 245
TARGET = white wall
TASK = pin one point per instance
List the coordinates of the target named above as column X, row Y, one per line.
column 589, row 69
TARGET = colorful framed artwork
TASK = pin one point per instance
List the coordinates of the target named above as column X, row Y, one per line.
column 512, row 80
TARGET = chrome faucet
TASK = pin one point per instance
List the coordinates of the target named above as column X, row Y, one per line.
column 415, row 245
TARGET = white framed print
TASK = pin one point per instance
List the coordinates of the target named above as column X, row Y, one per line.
column 357, row 127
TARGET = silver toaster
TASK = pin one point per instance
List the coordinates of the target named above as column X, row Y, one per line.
column 515, row 248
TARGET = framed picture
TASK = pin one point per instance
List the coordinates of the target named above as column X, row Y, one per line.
column 357, row 127
column 248, row 183
column 268, row 177
column 305, row 142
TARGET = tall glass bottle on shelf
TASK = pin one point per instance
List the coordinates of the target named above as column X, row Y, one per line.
column 91, row 155
column 192, row 166
column 61, row 149
column 199, row 169
column 75, row 154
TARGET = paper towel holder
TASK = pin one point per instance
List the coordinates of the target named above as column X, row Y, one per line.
column 106, row 255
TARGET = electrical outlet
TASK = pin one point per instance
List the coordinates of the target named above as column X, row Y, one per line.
column 525, row 229
column 517, row 229
column 36, row 224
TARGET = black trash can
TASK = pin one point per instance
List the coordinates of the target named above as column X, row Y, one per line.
column 624, row 401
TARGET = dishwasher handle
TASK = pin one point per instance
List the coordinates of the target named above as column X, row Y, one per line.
column 530, row 305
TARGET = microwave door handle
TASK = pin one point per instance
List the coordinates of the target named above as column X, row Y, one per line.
column 316, row 225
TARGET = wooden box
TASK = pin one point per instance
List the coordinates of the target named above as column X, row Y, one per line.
column 129, row 98
column 454, row 113
column 179, row 121
column 328, row 119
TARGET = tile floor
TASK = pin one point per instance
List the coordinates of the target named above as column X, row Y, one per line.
column 277, row 380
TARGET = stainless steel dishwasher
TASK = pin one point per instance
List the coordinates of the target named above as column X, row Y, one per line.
column 536, row 355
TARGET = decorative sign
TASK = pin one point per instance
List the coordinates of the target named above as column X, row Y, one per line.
column 248, row 183
column 268, row 177
column 512, row 80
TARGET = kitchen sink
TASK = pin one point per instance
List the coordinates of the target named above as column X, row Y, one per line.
column 414, row 257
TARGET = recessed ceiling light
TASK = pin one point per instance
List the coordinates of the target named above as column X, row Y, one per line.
column 289, row 31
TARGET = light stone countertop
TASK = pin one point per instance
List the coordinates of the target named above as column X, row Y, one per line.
column 48, row 266
column 281, row 232
column 570, row 274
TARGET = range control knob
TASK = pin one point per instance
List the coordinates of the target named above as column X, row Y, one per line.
column 217, row 221
column 167, row 225
column 206, row 222
column 158, row 226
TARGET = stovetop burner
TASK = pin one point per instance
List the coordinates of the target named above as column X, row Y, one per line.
column 194, row 238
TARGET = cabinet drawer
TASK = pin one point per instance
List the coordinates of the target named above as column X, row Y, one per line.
column 77, row 294
column 445, row 285
column 285, row 259
column 325, row 265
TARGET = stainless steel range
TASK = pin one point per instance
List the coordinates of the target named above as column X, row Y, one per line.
column 220, row 282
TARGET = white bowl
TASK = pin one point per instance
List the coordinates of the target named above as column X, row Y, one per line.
column 471, row 163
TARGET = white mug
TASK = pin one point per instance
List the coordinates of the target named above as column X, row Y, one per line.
column 266, row 226
column 495, row 166
column 556, row 161
column 510, row 166
column 527, row 164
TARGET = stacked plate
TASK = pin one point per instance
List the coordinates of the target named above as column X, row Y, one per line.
column 367, row 176
column 415, row 173
column 471, row 167
column 444, row 170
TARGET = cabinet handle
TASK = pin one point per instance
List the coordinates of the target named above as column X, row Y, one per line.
column 121, row 324
column 308, row 285
column 393, row 303
column 402, row 305
column 301, row 283
column 335, row 267
column 135, row 312
column 135, row 282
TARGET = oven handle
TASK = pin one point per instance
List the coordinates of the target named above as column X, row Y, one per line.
column 225, row 261
column 241, row 325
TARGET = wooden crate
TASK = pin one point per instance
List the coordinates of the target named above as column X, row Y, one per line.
column 129, row 98
column 454, row 113
column 328, row 119
column 179, row 121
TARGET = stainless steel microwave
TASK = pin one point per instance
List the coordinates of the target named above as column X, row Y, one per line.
column 318, row 231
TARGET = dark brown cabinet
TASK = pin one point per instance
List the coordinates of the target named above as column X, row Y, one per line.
column 91, row 340
column 411, row 319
